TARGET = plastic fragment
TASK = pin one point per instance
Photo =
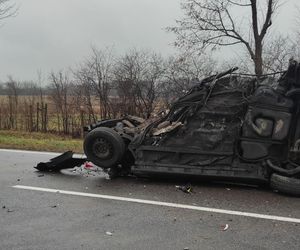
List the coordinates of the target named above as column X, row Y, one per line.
column 89, row 165
column 186, row 189
column 109, row 233
column 225, row 228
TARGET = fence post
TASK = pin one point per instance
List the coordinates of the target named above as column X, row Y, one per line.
column 30, row 118
column 37, row 116
column 45, row 113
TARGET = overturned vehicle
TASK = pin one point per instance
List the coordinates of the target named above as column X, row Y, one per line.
column 226, row 126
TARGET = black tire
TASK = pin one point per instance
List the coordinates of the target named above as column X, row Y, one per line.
column 286, row 185
column 104, row 147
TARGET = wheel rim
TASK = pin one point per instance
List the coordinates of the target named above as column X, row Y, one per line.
column 102, row 148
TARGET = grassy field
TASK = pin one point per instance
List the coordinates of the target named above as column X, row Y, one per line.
column 38, row 142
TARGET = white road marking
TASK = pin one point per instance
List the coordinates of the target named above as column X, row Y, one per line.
column 35, row 152
column 164, row 204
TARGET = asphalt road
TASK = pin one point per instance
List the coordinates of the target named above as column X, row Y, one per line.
column 42, row 220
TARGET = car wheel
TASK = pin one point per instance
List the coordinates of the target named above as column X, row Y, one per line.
column 104, row 147
column 286, row 185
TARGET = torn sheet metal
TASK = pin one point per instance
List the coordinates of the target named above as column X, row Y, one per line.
column 167, row 129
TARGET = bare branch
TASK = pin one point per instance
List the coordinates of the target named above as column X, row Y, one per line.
column 211, row 24
column 239, row 4
column 7, row 9
column 268, row 21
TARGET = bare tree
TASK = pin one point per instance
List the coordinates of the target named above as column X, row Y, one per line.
column 183, row 71
column 84, row 93
column 60, row 86
column 137, row 76
column 100, row 76
column 277, row 54
column 95, row 78
column 13, row 102
column 296, row 38
column 213, row 23
column 27, row 110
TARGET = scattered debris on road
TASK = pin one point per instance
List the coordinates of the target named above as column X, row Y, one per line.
column 90, row 166
column 60, row 162
column 185, row 188
column 8, row 210
column 225, row 227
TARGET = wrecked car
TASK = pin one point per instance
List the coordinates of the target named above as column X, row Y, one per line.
column 227, row 126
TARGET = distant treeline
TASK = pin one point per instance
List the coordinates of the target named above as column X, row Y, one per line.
column 104, row 86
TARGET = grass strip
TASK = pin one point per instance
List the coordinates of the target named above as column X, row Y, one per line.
column 38, row 142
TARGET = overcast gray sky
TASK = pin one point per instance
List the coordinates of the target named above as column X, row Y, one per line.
column 53, row 34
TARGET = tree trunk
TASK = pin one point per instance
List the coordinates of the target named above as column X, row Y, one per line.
column 258, row 61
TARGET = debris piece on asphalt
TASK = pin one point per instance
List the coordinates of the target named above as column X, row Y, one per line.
column 18, row 179
column 3, row 207
column 90, row 166
column 186, row 188
column 186, row 248
column 10, row 211
column 225, row 227
column 60, row 162
column 109, row 233
column 41, row 175
column 228, row 189
column 128, row 124
column 54, row 206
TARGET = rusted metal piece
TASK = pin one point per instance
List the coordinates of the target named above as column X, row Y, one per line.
column 136, row 118
column 128, row 130
column 128, row 124
column 167, row 129
column 163, row 124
